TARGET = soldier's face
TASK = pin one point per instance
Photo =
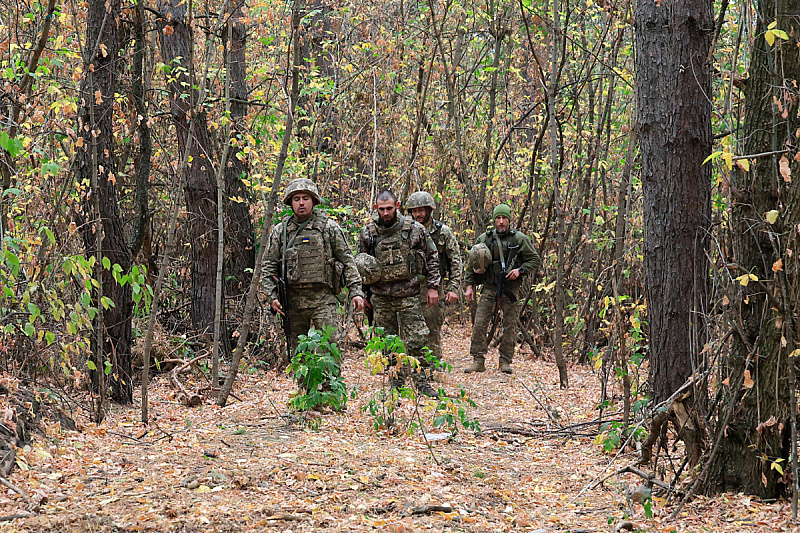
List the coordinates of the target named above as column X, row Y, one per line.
column 386, row 209
column 421, row 214
column 501, row 223
column 302, row 204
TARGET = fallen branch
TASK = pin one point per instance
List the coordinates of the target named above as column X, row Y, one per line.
column 430, row 508
column 11, row 517
column 6, row 483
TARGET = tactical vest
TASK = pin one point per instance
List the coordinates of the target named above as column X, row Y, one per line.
column 510, row 248
column 393, row 251
column 306, row 253
column 440, row 240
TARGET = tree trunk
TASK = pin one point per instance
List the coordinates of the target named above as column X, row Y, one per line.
column 673, row 85
column 241, row 254
column 96, row 158
column 757, row 436
column 200, row 186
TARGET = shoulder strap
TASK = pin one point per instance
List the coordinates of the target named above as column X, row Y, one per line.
column 296, row 233
column 394, row 229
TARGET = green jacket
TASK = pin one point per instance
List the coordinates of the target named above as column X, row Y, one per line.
column 518, row 252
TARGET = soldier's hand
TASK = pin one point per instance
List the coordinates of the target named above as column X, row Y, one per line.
column 450, row 297
column 469, row 294
column 433, row 297
column 358, row 303
column 276, row 306
column 514, row 274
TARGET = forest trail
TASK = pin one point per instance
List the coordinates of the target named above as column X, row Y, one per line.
column 248, row 467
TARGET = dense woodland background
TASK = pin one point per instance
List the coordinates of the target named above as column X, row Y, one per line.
column 648, row 149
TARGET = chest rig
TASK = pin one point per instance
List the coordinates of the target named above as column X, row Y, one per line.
column 504, row 251
column 393, row 251
column 305, row 252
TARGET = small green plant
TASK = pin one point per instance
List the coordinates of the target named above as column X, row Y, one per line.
column 386, row 354
column 316, row 365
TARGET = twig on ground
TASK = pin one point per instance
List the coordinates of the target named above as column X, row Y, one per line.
column 6, row 483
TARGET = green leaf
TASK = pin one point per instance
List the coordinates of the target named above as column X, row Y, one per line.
column 30, row 331
column 106, row 263
column 11, row 144
column 50, row 337
column 91, row 365
column 13, row 262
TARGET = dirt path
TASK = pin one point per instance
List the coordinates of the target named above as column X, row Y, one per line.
column 247, row 467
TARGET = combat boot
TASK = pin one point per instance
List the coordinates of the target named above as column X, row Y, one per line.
column 422, row 384
column 476, row 366
column 505, row 367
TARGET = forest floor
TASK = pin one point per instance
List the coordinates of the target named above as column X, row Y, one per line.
column 252, row 467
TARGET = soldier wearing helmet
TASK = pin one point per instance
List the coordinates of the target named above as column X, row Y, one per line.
column 404, row 252
column 499, row 250
column 317, row 259
column 421, row 205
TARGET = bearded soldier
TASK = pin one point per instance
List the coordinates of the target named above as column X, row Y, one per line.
column 499, row 260
column 420, row 205
column 316, row 257
column 403, row 251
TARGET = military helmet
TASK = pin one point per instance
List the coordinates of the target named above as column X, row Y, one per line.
column 420, row 199
column 480, row 257
column 369, row 268
column 301, row 185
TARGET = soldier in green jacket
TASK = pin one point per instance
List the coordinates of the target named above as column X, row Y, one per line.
column 507, row 251
column 405, row 252
column 420, row 205
column 316, row 244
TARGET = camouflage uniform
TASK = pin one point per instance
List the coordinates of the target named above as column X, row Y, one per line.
column 450, row 267
column 311, row 271
column 406, row 252
column 519, row 253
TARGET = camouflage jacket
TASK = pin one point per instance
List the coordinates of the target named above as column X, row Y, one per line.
column 518, row 252
column 425, row 259
column 450, row 263
column 339, row 262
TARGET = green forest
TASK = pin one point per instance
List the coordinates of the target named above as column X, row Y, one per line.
column 647, row 149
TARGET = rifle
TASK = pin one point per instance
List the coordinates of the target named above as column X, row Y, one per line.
column 283, row 298
column 369, row 311
column 501, row 291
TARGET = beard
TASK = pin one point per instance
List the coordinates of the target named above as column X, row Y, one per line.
column 387, row 223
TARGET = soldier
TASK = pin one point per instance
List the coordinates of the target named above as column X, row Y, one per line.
column 501, row 257
column 420, row 205
column 404, row 251
column 315, row 244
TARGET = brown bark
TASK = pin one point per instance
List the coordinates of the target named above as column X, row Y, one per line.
column 200, row 188
column 94, row 160
column 240, row 256
column 758, row 433
column 674, row 120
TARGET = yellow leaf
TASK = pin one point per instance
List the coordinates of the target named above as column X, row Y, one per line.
column 770, row 37
column 744, row 164
column 728, row 157
column 772, row 216
column 795, row 353
column 202, row 489
column 748, row 381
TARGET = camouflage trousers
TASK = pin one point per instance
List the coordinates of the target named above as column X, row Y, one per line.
column 434, row 319
column 480, row 330
column 403, row 317
column 301, row 319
